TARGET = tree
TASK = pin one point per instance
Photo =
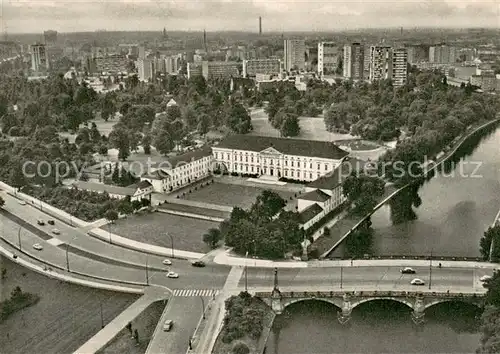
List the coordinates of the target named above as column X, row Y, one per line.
column 212, row 237
column 163, row 142
column 119, row 138
column 489, row 236
column 237, row 118
column 2, row 202
column 361, row 191
column 290, row 126
column 146, row 143
column 111, row 215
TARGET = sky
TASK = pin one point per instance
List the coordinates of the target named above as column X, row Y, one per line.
column 31, row 16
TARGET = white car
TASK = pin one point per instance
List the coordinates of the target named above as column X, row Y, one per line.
column 485, row 278
column 168, row 325
column 172, row 275
column 167, row 262
column 38, row 247
column 56, row 231
column 22, row 202
column 417, row 281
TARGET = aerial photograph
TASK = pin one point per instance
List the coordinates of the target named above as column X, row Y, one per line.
column 249, row 177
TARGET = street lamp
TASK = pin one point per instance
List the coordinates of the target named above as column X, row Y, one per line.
column 147, row 275
column 246, row 272
column 203, row 306
column 341, row 276
column 430, row 271
column 19, row 237
column 109, row 231
column 67, row 254
column 172, row 243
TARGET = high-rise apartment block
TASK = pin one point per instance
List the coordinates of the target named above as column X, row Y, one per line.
column 142, row 52
column 145, row 69
column 220, row 69
column 399, row 66
column 172, row 64
column 194, row 69
column 328, row 58
column 380, row 62
column 253, row 67
column 443, row 54
column 354, row 59
column 294, row 54
column 39, row 57
column 388, row 63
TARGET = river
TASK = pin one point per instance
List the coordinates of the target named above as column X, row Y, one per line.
column 448, row 214
column 376, row 327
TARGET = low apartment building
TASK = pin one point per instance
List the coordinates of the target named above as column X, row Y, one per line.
column 179, row 171
column 253, row 67
column 141, row 190
column 220, row 69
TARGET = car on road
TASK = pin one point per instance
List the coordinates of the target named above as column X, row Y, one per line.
column 56, row 231
column 199, row 264
column 22, row 202
column 417, row 281
column 167, row 262
column 50, row 222
column 40, row 222
column 172, row 275
column 485, row 278
column 407, row 270
column 38, row 247
column 167, row 326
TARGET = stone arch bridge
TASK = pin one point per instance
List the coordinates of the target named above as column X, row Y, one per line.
column 418, row 302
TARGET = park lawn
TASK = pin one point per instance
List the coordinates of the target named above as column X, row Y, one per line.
column 151, row 228
column 311, row 128
column 65, row 317
column 231, row 195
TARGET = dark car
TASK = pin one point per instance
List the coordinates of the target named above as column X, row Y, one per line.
column 408, row 270
column 51, row 222
column 198, row 264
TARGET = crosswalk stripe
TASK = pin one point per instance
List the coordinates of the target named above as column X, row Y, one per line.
column 196, row 292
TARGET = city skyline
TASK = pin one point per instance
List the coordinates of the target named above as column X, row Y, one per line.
column 24, row 16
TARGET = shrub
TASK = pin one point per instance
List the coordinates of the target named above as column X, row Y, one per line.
column 240, row 348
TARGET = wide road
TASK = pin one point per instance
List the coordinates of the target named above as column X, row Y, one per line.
column 185, row 312
column 210, row 277
column 362, row 278
column 213, row 276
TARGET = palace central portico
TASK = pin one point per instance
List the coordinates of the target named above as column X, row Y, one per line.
column 294, row 159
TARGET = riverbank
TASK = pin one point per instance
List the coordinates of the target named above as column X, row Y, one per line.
column 342, row 229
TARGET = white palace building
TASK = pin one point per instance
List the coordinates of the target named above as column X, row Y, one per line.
column 293, row 159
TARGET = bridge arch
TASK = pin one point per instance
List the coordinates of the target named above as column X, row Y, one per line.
column 403, row 301
column 337, row 304
column 455, row 300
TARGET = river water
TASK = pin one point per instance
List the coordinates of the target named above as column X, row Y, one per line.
column 376, row 327
column 446, row 216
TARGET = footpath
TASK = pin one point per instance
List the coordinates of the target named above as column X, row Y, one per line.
column 225, row 257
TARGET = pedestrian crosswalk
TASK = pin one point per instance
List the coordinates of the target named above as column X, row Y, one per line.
column 196, row 292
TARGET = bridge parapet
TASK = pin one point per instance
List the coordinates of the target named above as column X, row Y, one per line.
column 418, row 302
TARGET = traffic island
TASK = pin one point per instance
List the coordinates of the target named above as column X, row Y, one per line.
column 247, row 325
